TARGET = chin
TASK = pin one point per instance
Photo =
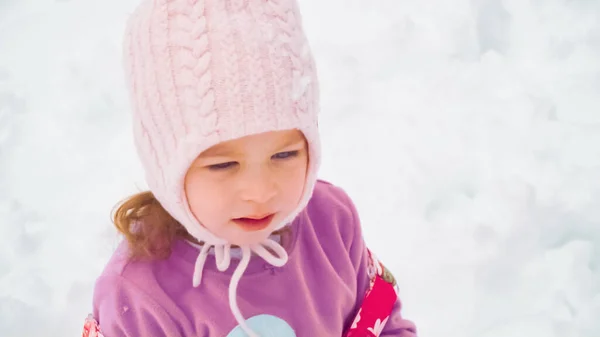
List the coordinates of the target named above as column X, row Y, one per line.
column 248, row 238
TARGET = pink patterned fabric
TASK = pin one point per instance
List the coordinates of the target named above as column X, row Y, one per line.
column 377, row 304
column 91, row 328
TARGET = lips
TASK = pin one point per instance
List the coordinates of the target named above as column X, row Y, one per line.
column 254, row 223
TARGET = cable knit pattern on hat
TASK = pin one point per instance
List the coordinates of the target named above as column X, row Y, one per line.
column 201, row 72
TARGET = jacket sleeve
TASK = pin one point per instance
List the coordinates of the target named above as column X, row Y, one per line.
column 396, row 325
column 124, row 310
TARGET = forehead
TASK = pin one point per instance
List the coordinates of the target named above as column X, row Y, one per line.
column 267, row 141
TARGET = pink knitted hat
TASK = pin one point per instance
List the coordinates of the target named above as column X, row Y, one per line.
column 202, row 72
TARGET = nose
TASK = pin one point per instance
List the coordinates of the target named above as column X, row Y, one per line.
column 258, row 186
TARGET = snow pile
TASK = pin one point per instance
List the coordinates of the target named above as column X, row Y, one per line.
column 467, row 132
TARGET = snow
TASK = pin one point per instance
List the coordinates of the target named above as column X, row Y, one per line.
column 467, row 133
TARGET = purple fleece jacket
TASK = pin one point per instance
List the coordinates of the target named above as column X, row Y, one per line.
column 316, row 294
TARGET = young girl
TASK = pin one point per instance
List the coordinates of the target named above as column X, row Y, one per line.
column 236, row 236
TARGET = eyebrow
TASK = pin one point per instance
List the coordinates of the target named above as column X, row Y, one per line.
column 221, row 151
column 291, row 142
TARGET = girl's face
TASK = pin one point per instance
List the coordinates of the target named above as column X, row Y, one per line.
column 241, row 189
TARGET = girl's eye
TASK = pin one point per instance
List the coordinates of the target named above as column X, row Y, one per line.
column 285, row 155
column 222, row 166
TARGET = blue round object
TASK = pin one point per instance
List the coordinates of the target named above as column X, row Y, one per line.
column 265, row 326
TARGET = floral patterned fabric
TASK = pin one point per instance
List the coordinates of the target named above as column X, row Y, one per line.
column 91, row 328
column 377, row 304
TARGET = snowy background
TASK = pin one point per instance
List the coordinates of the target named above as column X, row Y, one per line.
column 467, row 132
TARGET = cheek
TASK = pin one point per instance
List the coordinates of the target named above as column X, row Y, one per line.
column 295, row 181
column 203, row 197
column 193, row 187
